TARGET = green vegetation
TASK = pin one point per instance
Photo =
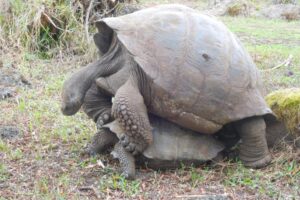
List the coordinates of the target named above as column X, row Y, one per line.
column 3, row 173
column 286, row 105
column 40, row 26
column 271, row 43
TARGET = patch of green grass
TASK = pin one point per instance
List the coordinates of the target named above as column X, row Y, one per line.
column 266, row 183
column 117, row 182
column 271, row 43
column 16, row 154
column 29, row 22
column 3, row 146
column 42, row 185
column 4, row 175
column 45, row 118
column 241, row 176
column 262, row 28
column 85, row 163
column 10, row 152
column 270, row 55
column 196, row 177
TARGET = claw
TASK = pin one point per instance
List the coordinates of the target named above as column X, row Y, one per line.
column 135, row 152
column 102, row 120
column 106, row 117
column 128, row 176
column 122, row 137
column 130, row 148
column 99, row 123
column 125, row 141
column 88, row 152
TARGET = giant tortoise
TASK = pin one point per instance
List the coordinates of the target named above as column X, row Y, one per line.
column 180, row 65
column 172, row 146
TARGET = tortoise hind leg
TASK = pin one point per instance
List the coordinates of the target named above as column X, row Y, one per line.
column 126, row 160
column 130, row 111
column 254, row 149
column 101, row 141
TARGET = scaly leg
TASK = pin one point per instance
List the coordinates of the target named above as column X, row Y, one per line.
column 254, row 150
column 126, row 160
column 97, row 105
column 130, row 111
column 101, row 141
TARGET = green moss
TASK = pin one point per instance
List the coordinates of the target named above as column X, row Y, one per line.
column 236, row 9
column 285, row 104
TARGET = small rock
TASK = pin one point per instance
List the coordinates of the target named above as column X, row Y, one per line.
column 231, row 7
column 289, row 73
column 282, row 11
column 9, row 81
column 6, row 93
column 9, row 132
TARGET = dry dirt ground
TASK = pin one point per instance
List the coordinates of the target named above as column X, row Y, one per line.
column 40, row 156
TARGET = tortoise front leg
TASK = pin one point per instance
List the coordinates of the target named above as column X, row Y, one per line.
column 130, row 111
column 254, row 150
column 97, row 105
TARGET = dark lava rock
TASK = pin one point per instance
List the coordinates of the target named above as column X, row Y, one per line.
column 9, row 78
column 6, row 93
column 9, row 132
column 9, row 81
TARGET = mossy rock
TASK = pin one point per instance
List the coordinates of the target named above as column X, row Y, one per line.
column 285, row 104
column 239, row 8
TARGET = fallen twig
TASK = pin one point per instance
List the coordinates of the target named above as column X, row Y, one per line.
column 109, row 11
column 100, row 163
column 285, row 63
column 52, row 22
column 41, row 13
column 86, row 24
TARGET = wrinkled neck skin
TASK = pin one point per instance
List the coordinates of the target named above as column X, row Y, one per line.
column 143, row 82
column 130, row 71
column 75, row 88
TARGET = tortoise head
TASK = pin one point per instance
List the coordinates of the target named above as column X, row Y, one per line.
column 75, row 88
column 72, row 97
column 70, row 105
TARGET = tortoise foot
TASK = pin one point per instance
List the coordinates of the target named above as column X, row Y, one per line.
column 126, row 160
column 88, row 152
column 254, row 150
column 101, row 141
column 102, row 120
column 128, row 176
column 258, row 163
column 130, row 146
